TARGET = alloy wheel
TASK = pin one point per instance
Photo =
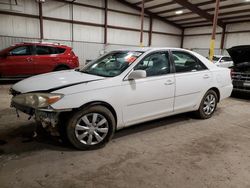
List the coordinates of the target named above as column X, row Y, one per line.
column 91, row 128
column 209, row 104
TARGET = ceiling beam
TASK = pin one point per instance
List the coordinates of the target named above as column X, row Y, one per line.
column 211, row 9
column 153, row 15
column 181, row 8
column 140, row 2
column 236, row 17
column 161, row 5
column 198, row 11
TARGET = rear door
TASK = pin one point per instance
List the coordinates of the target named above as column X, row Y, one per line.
column 45, row 59
column 18, row 62
column 192, row 78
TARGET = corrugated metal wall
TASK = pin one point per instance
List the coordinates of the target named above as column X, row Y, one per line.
column 200, row 43
column 88, row 40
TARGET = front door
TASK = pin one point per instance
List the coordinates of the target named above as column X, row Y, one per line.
column 18, row 62
column 151, row 97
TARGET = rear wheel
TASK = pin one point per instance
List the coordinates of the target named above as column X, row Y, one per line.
column 208, row 105
column 91, row 128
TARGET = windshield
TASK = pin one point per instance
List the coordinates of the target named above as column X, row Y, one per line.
column 112, row 64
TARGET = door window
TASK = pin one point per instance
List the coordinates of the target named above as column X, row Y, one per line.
column 185, row 62
column 46, row 50
column 21, row 50
column 155, row 64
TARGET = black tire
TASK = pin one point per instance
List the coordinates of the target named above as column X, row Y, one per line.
column 76, row 118
column 61, row 68
column 203, row 114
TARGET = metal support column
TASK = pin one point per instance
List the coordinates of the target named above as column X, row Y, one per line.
column 105, row 21
column 212, row 42
column 150, row 31
column 142, row 22
column 182, row 37
column 223, row 37
column 41, row 19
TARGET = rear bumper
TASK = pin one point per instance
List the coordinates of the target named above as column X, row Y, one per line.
column 241, row 90
column 226, row 91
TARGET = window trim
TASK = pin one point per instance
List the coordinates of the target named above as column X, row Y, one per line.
column 196, row 59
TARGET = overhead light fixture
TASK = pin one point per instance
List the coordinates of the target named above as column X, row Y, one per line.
column 247, row 0
column 179, row 12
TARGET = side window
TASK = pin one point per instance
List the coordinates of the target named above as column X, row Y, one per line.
column 60, row 50
column 155, row 64
column 21, row 50
column 185, row 62
column 46, row 50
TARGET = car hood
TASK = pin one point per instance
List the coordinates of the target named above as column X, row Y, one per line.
column 54, row 81
column 240, row 54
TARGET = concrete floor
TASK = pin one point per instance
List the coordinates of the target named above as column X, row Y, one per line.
column 172, row 152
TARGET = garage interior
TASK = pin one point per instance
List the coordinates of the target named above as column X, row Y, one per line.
column 177, row 151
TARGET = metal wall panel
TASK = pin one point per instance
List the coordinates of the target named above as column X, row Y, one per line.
column 201, row 41
column 88, row 33
column 87, row 14
column 163, row 27
column 19, row 26
column 159, row 40
column 116, row 36
column 57, row 30
column 56, row 9
column 24, row 6
column 125, row 20
column 113, row 4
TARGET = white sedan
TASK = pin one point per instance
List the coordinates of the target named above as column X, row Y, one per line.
column 223, row 61
column 120, row 89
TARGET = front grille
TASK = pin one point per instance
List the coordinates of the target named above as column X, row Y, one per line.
column 241, row 81
column 241, row 76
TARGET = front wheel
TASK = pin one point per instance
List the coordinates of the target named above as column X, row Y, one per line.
column 91, row 128
column 208, row 105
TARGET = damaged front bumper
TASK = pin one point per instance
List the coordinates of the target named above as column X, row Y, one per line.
column 48, row 118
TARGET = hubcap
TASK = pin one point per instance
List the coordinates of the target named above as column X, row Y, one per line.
column 91, row 128
column 209, row 104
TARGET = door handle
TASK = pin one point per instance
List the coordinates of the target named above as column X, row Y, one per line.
column 29, row 59
column 169, row 82
column 206, row 76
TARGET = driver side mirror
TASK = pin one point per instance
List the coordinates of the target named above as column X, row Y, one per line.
column 137, row 74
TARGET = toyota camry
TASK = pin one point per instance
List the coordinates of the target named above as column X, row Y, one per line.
column 120, row 89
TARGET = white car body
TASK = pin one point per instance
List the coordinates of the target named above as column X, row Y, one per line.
column 133, row 101
column 222, row 62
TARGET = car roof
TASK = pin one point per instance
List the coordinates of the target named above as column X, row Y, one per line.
column 42, row 44
column 145, row 49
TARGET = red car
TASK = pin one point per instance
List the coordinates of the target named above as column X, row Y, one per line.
column 26, row 59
